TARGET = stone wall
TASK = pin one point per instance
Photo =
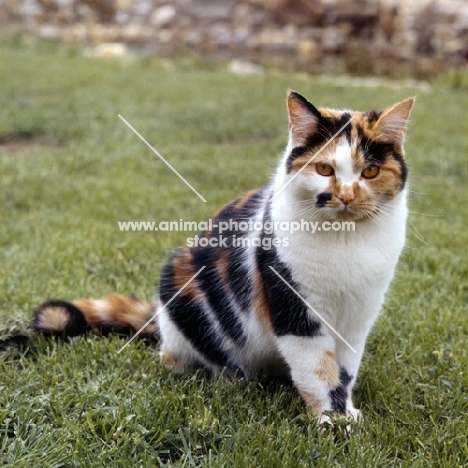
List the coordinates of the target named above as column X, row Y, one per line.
column 413, row 37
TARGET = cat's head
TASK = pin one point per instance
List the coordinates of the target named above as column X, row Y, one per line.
column 348, row 163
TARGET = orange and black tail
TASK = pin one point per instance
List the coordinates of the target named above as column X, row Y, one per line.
column 114, row 313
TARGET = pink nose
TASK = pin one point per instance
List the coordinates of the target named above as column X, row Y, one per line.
column 346, row 198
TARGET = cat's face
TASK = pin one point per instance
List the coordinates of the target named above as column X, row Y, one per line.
column 348, row 164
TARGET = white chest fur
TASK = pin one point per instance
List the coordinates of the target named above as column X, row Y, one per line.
column 344, row 274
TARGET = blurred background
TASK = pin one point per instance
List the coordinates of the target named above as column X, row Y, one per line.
column 396, row 38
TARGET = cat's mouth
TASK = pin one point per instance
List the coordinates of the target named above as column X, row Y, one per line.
column 346, row 213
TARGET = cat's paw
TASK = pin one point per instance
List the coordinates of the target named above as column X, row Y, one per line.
column 336, row 422
column 325, row 420
column 354, row 414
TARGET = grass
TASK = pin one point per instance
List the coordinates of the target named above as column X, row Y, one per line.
column 70, row 170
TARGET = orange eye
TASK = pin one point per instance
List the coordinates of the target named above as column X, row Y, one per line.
column 325, row 169
column 370, row 172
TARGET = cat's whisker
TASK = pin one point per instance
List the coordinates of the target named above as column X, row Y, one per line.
column 303, row 202
column 413, row 230
column 307, row 212
column 426, row 214
column 414, row 191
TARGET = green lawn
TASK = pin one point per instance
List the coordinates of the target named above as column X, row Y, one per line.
column 70, row 169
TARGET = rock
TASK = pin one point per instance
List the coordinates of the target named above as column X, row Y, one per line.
column 142, row 7
column 333, row 39
column 122, row 17
column 308, row 50
column 30, row 9
column 76, row 33
column 210, row 10
column 244, row 67
column 105, row 9
column 123, row 5
column 49, row 31
column 163, row 16
column 365, row 35
column 110, row 50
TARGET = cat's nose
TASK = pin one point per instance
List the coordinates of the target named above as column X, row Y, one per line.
column 347, row 193
column 346, row 198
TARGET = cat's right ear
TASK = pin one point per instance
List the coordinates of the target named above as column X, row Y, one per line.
column 304, row 118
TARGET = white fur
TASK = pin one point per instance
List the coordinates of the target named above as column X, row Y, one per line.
column 344, row 164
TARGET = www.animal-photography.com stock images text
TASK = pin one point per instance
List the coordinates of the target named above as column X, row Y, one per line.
column 233, row 233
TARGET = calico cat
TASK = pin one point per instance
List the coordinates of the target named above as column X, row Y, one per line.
column 301, row 308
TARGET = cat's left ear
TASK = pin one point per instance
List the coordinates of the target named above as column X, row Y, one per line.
column 304, row 118
column 393, row 121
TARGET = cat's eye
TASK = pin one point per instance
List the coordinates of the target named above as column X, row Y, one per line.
column 325, row 169
column 370, row 172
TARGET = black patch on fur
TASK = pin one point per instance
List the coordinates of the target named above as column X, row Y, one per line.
column 340, row 123
column 376, row 151
column 215, row 293
column 322, row 199
column 190, row 319
column 372, row 116
column 297, row 152
column 236, row 213
column 339, row 394
column 379, row 152
column 240, row 282
column 76, row 321
column 238, row 278
column 288, row 313
column 250, row 208
column 404, row 170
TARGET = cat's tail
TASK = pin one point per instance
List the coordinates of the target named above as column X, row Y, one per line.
column 113, row 313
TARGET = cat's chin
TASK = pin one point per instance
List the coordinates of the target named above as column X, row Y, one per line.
column 346, row 215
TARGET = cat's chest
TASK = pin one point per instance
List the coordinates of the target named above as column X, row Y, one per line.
column 340, row 264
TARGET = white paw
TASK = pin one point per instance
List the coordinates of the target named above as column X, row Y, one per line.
column 354, row 414
column 325, row 420
column 335, row 421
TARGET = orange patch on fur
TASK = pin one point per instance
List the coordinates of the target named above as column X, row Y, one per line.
column 328, row 371
column 260, row 303
column 184, row 270
column 221, row 265
column 93, row 317
column 53, row 318
column 388, row 182
column 359, row 200
column 119, row 312
column 330, row 113
column 311, row 400
column 361, row 121
column 347, row 193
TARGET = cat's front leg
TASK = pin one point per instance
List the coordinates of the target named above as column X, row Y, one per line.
column 350, row 360
column 316, row 373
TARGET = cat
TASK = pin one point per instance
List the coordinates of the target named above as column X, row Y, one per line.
column 267, row 307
